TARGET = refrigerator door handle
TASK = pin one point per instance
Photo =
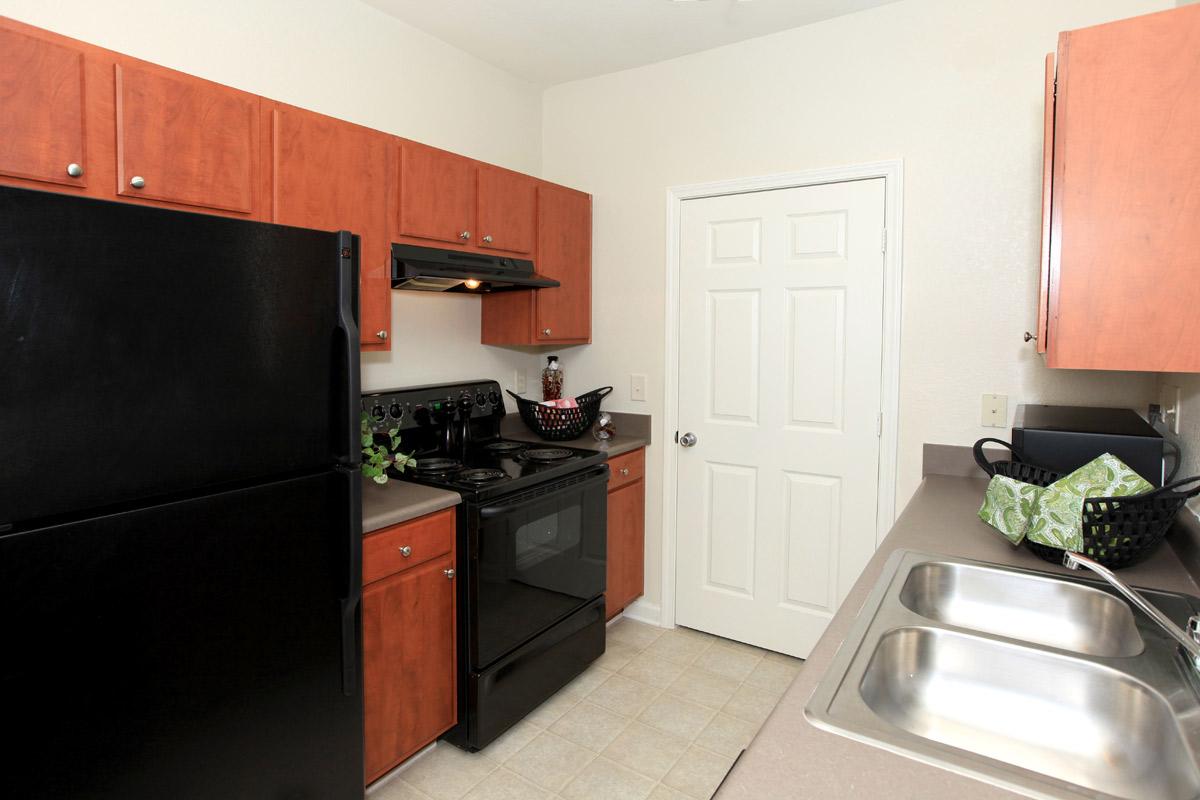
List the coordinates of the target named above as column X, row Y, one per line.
column 352, row 595
column 347, row 449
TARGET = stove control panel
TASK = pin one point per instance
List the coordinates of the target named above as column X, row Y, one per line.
column 433, row 406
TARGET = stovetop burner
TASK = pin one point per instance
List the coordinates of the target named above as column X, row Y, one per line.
column 479, row 476
column 504, row 447
column 546, row 455
column 428, row 466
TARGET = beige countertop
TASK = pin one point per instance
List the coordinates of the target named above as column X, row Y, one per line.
column 792, row 759
column 399, row 501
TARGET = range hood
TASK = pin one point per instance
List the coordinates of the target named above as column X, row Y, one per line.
column 431, row 269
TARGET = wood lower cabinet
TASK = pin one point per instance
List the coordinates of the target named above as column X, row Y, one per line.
column 561, row 315
column 626, row 531
column 1121, row 287
column 309, row 148
column 408, row 617
column 186, row 141
column 437, row 195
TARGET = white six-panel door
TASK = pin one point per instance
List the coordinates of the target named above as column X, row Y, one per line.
column 780, row 357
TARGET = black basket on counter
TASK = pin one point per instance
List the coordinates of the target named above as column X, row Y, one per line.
column 560, row 424
column 1117, row 531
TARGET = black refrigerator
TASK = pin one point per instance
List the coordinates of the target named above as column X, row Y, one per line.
column 180, row 520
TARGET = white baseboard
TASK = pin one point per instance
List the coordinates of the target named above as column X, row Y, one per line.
column 644, row 611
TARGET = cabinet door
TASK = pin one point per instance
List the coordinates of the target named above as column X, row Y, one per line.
column 409, row 681
column 42, row 113
column 185, row 140
column 1047, row 189
column 564, row 253
column 507, row 203
column 332, row 175
column 437, row 195
column 1124, row 241
column 626, row 546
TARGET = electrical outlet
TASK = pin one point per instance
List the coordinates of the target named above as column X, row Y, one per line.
column 637, row 387
column 1170, row 398
column 995, row 411
column 519, row 381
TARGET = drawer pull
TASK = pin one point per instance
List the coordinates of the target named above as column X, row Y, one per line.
column 406, row 551
column 624, row 470
column 137, row 182
column 449, row 573
column 74, row 170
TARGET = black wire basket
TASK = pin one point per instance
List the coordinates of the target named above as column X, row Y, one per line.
column 1117, row 531
column 560, row 424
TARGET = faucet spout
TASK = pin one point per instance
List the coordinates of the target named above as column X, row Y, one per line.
column 1189, row 640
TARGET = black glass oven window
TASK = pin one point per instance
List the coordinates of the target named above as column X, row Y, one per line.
column 538, row 562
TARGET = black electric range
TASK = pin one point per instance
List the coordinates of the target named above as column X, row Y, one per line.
column 532, row 548
column 497, row 467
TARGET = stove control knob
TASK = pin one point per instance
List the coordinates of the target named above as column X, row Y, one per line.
column 377, row 413
column 481, row 399
column 493, row 397
column 421, row 414
column 465, row 401
column 396, row 411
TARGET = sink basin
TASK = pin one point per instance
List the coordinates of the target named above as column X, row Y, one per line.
column 1077, row 721
column 1050, row 687
column 1056, row 613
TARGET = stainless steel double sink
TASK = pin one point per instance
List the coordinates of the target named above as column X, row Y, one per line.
column 1049, row 686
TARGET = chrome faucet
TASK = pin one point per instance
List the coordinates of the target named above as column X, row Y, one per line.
column 1189, row 639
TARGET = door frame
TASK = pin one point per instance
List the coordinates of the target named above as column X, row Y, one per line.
column 892, row 172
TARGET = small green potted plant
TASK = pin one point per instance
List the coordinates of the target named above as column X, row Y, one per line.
column 381, row 451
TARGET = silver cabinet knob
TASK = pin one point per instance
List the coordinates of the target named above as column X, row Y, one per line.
column 488, row 238
column 137, row 182
column 449, row 573
column 624, row 471
column 382, row 335
column 545, row 331
column 465, row 235
column 74, row 170
column 406, row 551
column 1029, row 337
column 687, row 440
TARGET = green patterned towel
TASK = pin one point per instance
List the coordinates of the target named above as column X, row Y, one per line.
column 1008, row 506
column 1054, row 516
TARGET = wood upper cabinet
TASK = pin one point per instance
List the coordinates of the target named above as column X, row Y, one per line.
column 626, row 531
column 409, row 647
column 332, row 175
column 43, row 123
column 186, row 141
column 564, row 252
column 437, row 195
column 1124, row 241
column 507, row 210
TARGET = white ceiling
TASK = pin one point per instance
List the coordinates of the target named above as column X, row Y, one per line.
column 552, row 41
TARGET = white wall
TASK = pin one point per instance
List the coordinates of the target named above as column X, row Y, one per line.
column 954, row 89
column 349, row 60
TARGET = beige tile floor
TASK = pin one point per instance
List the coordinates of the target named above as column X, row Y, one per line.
column 661, row 715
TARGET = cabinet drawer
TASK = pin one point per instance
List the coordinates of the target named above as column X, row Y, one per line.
column 422, row 538
column 627, row 468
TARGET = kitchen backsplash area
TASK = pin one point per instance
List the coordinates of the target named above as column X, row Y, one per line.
column 435, row 338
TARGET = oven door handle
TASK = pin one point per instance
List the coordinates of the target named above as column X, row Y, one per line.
column 523, row 501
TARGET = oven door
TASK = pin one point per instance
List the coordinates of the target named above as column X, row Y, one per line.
column 536, row 557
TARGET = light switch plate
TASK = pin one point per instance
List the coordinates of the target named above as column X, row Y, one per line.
column 637, row 387
column 995, row 411
column 519, row 381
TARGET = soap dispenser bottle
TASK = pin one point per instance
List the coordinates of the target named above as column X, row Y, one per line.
column 552, row 380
